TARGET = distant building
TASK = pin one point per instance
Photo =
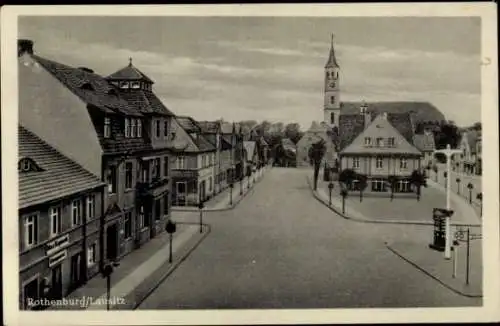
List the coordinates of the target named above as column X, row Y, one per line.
column 427, row 145
column 468, row 161
column 193, row 173
column 61, row 206
column 315, row 133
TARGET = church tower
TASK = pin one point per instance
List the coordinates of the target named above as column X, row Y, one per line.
column 332, row 90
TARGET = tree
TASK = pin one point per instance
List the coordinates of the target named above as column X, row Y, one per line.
column 292, row 131
column 418, row 180
column 346, row 177
column 362, row 183
column 316, row 153
column 392, row 180
column 448, row 133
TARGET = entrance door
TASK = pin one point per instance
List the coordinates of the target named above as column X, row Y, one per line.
column 77, row 270
column 180, row 191
column 30, row 292
column 112, row 242
column 56, row 289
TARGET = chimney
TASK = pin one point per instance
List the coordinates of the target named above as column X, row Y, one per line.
column 24, row 46
column 363, row 110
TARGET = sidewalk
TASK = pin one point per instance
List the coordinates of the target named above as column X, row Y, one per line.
column 140, row 271
column 221, row 201
column 433, row 264
column 379, row 212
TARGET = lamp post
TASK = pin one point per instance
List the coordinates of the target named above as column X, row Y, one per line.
column 106, row 273
column 200, row 206
column 241, row 184
column 458, row 185
column 343, row 193
column 470, row 186
column 448, row 152
column 170, row 228
column 330, row 188
column 480, row 198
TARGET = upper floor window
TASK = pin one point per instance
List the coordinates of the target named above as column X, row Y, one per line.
column 30, row 230
column 76, row 212
column 181, row 162
column 403, row 163
column 107, row 127
column 111, row 179
column 332, row 118
column 165, row 128
column 379, row 162
column 124, row 85
column 156, row 168
column 380, row 142
column 391, row 141
column 157, row 128
column 55, row 221
column 368, row 141
column 127, row 127
column 332, row 99
column 90, row 206
column 165, row 166
column 128, row 175
column 133, row 128
column 135, row 85
column 139, row 128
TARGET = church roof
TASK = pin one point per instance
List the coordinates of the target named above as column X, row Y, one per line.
column 129, row 73
column 332, row 60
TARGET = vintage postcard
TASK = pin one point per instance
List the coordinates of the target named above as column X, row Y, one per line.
column 244, row 164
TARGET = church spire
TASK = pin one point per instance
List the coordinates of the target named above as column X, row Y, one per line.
column 332, row 61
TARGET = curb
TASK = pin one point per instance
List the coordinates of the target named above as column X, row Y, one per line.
column 375, row 221
column 229, row 207
column 169, row 270
column 449, row 287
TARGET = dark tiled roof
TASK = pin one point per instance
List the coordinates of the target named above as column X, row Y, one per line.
column 89, row 87
column 403, row 124
column 350, row 126
column 129, row 73
column 145, row 102
column 422, row 111
column 60, row 176
column 424, row 142
column 122, row 145
column 188, row 124
column 203, row 144
column 209, row 126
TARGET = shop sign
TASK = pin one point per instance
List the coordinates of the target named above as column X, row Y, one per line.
column 58, row 244
column 57, row 258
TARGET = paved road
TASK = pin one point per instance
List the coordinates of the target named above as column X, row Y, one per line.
column 280, row 248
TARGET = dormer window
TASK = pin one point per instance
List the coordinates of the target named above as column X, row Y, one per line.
column 135, row 85
column 391, row 141
column 27, row 165
column 127, row 127
column 87, row 86
column 124, row 85
column 139, row 128
column 380, row 142
column 368, row 141
column 133, row 128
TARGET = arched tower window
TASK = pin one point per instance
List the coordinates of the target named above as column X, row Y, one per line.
column 332, row 118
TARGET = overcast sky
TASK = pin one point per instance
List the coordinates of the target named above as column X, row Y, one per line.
column 272, row 68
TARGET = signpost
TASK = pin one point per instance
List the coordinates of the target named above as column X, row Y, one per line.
column 466, row 236
column 170, row 228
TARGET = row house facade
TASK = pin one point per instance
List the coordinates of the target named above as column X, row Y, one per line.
column 116, row 128
column 193, row 173
column 224, row 165
column 468, row 161
column 426, row 143
column 60, row 222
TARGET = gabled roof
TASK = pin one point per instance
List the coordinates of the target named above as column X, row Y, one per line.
column 188, row 124
column 59, row 177
column 225, row 144
column 209, row 127
column 420, row 111
column 129, row 73
column 424, row 142
column 382, row 127
column 196, row 141
column 90, row 87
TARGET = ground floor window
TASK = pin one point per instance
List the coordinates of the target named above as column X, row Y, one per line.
column 30, row 293
column 403, row 186
column 378, row 185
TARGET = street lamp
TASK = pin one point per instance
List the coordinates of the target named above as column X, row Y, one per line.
column 470, row 186
column 448, row 152
column 200, row 206
column 330, row 188
column 445, row 175
column 231, row 185
column 458, row 185
column 170, row 228
column 106, row 273
column 241, row 184
column 480, row 198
